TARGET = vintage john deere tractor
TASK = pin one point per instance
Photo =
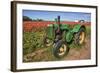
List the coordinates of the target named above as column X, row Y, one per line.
column 60, row 36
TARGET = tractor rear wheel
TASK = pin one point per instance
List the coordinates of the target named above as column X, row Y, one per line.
column 60, row 49
column 80, row 36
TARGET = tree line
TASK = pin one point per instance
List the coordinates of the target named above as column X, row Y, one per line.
column 26, row 18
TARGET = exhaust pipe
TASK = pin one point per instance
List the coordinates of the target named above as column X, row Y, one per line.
column 59, row 20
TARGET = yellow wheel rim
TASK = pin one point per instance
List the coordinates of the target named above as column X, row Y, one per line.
column 82, row 37
column 62, row 50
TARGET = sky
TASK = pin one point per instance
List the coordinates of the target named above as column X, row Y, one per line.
column 51, row 15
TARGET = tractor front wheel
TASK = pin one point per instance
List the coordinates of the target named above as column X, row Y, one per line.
column 47, row 41
column 60, row 49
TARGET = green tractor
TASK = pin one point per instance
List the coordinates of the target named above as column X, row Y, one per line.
column 62, row 35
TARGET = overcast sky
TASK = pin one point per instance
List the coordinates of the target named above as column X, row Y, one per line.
column 51, row 15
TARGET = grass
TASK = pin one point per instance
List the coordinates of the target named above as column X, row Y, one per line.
column 88, row 31
column 32, row 40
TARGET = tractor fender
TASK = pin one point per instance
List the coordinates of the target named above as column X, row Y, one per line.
column 77, row 28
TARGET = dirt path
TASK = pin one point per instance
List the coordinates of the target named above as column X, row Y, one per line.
column 81, row 53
